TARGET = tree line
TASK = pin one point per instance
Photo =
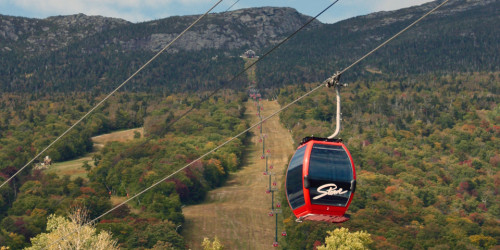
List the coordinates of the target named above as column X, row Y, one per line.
column 426, row 159
column 120, row 170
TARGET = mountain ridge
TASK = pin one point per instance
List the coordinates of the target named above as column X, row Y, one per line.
column 457, row 38
column 52, row 33
column 235, row 29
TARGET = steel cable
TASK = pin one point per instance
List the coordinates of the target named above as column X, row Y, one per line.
column 251, row 127
column 258, row 123
column 110, row 94
column 201, row 101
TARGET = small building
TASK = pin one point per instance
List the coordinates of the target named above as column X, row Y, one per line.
column 47, row 161
column 249, row 54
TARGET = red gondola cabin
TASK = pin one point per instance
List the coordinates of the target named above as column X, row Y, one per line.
column 321, row 180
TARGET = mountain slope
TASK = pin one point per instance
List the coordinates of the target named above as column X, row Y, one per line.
column 97, row 53
column 102, row 59
column 237, row 213
column 29, row 37
column 457, row 38
column 256, row 27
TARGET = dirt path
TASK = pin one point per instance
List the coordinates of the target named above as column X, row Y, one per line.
column 238, row 212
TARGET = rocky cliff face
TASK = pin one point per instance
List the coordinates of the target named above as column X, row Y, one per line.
column 252, row 28
column 29, row 35
column 249, row 28
column 246, row 28
column 77, row 52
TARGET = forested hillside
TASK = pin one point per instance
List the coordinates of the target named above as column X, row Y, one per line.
column 426, row 154
column 28, row 123
column 121, row 169
column 31, row 122
column 421, row 119
column 458, row 38
column 100, row 53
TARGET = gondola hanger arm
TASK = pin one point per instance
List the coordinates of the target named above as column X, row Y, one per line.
column 334, row 81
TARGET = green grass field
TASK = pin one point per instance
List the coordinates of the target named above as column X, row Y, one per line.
column 74, row 168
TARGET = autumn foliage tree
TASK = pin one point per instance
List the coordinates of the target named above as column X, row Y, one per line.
column 72, row 233
column 342, row 239
column 426, row 157
column 212, row 245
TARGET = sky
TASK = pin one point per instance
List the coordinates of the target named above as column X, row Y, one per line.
column 146, row 10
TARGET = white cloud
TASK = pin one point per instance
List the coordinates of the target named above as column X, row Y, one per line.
column 132, row 10
column 351, row 8
column 397, row 4
column 383, row 5
column 143, row 10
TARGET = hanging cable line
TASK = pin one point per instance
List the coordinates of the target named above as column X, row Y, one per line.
column 231, row 6
column 245, row 131
column 252, row 126
column 112, row 92
column 195, row 105
column 205, row 98
column 392, row 38
column 251, row 65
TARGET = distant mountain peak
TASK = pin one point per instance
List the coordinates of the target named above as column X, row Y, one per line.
column 253, row 28
column 84, row 19
column 244, row 28
column 63, row 50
